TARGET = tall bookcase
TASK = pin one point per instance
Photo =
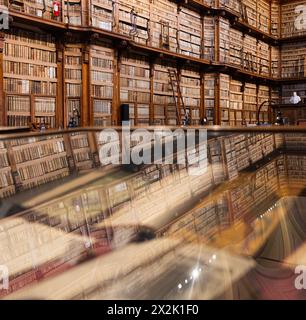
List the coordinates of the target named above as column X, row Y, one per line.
column 29, row 78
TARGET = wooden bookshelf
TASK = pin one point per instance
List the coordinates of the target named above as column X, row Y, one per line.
column 29, row 71
column 191, row 91
column 102, row 84
column 73, row 82
column 243, row 36
column 102, row 14
column 163, row 100
column 135, row 87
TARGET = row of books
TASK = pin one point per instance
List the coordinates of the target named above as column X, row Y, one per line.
column 134, row 17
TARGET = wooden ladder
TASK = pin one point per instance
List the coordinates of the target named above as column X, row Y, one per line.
column 174, row 81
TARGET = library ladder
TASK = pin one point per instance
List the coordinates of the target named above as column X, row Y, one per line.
column 178, row 99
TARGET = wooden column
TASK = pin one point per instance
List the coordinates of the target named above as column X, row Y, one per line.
column 3, row 120
column 87, row 112
column 217, row 39
column 202, row 93
column 243, row 103
column 151, row 107
column 86, row 12
column 60, row 94
column 115, row 16
column 217, row 113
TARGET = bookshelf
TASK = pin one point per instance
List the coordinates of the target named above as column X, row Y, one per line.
column 251, row 12
column 209, row 96
column 7, row 186
column 263, row 15
column 236, row 47
column 164, row 25
column 190, row 32
column 225, row 44
column 134, row 19
column 102, row 14
column 73, row 80
column 39, row 8
column 236, row 102
column 209, row 37
column 292, row 23
column 293, row 60
column 135, row 87
column 101, row 76
column 275, row 62
column 191, row 91
column 163, row 101
column 263, row 95
column 250, row 54
column 263, row 55
column 224, row 99
column 275, row 18
column 30, row 78
column 72, row 12
column 250, row 102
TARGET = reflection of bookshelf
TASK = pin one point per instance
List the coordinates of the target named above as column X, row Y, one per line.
column 216, row 159
column 39, row 160
column 81, row 151
column 30, row 77
column 102, row 69
column 73, row 79
column 135, row 87
column 102, row 14
column 7, row 187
